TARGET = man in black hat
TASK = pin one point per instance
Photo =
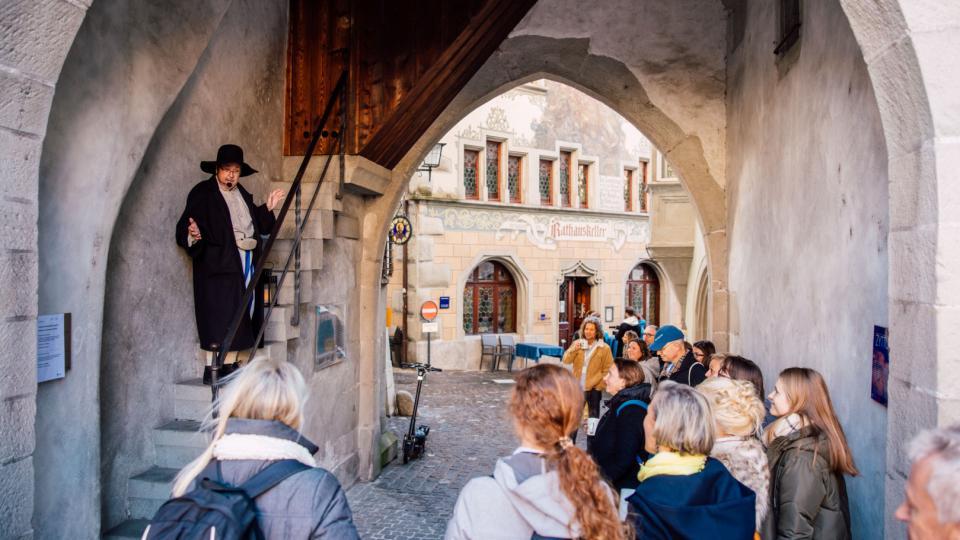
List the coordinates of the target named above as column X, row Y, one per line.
column 220, row 229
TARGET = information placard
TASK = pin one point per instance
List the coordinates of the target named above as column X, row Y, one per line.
column 53, row 346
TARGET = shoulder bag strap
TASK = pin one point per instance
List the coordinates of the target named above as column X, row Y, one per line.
column 272, row 475
column 631, row 402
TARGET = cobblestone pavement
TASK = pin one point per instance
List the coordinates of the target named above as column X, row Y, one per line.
column 469, row 430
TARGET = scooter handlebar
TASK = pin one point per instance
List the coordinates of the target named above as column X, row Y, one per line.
column 420, row 366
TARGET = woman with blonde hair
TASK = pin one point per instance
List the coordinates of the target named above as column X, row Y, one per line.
column 548, row 487
column 808, row 456
column 260, row 411
column 738, row 416
column 683, row 492
column 591, row 359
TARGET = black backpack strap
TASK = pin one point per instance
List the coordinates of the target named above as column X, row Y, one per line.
column 272, row 475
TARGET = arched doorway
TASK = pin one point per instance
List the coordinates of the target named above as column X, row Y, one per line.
column 490, row 300
column 643, row 293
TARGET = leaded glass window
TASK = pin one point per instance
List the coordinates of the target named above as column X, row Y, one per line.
column 628, row 190
column 513, row 177
column 493, row 171
column 643, row 186
column 546, row 182
column 582, row 184
column 643, row 293
column 564, row 178
column 470, row 159
column 468, row 326
column 489, row 300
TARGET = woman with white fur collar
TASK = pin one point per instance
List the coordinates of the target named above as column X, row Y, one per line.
column 260, row 413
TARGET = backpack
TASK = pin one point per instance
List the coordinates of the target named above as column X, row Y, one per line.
column 642, row 404
column 217, row 510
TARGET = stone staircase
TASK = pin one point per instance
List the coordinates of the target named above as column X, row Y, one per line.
column 178, row 441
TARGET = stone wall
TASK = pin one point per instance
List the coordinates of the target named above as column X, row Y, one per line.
column 34, row 39
column 234, row 94
column 809, row 221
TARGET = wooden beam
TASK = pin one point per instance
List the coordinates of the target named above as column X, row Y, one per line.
column 443, row 80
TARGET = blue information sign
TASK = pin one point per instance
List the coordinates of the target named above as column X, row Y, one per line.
column 444, row 302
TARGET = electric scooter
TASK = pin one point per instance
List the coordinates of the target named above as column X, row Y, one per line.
column 415, row 441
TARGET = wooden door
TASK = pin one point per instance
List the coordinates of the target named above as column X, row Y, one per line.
column 565, row 313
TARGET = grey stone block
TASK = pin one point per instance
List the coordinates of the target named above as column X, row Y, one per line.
column 16, row 505
column 24, row 104
column 347, row 227
column 17, row 427
column 35, row 39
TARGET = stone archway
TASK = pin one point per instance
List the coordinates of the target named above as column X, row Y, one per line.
column 902, row 44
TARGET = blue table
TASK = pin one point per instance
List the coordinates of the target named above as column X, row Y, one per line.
column 534, row 351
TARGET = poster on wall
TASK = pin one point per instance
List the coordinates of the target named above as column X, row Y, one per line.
column 881, row 366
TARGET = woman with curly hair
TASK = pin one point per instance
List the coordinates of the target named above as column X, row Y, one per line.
column 548, row 487
column 591, row 359
column 738, row 416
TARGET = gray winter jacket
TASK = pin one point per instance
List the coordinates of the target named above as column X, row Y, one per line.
column 309, row 504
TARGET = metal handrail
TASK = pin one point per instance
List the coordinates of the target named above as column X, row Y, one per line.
column 337, row 95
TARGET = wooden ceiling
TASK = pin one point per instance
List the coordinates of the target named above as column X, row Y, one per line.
column 407, row 60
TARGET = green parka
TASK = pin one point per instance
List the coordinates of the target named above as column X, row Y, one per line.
column 807, row 499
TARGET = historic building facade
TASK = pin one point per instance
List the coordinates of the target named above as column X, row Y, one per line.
column 546, row 205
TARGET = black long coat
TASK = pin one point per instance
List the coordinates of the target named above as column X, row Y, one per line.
column 217, row 272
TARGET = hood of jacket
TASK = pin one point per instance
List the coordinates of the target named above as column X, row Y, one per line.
column 676, row 506
column 639, row 391
column 536, row 495
column 807, row 439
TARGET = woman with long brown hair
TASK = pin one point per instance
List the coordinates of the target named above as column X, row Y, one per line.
column 591, row 359
column 548, row 487
column 808, row 456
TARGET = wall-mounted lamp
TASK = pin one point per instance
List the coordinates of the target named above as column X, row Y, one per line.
column 432, row 160
column 269, row 286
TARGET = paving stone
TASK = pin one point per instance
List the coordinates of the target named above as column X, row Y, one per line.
column 469, row 430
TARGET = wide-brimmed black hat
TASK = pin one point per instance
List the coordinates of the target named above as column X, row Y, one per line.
column 228, row 153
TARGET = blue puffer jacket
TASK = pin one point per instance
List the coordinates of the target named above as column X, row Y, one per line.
column 708, row 504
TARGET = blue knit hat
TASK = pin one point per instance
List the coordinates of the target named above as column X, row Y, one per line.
column 665, row 334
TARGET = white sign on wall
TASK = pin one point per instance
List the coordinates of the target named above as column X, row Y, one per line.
column 53, row 342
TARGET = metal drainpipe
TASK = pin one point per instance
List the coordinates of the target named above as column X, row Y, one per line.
column 406, row 283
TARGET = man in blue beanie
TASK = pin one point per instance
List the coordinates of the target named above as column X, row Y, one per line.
column 680, row 366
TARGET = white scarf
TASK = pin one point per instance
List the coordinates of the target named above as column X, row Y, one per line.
column 237, row 446
column 782, row 427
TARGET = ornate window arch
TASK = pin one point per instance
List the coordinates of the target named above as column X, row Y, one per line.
column 490, row 300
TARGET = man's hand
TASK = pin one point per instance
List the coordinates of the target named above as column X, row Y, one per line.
column 193, row 230
column 274, row 198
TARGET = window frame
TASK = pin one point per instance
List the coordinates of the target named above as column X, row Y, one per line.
column 486, row 170
column 583, row 167
column 463, row 174
column 566, row 156
column 550, row 164
column 520, row 162
column 502, row 279
column 628, row 192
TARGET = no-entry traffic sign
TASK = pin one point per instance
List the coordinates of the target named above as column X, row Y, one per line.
column 429, row 310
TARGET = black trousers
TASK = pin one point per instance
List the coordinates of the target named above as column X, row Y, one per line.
column 593, row 399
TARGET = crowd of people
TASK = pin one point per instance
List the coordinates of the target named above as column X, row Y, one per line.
column 687, row 448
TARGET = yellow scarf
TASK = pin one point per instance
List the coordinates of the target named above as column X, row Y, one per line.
column 673, row 464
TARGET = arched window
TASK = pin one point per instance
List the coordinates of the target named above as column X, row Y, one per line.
column 643, row 293
column 489, row 300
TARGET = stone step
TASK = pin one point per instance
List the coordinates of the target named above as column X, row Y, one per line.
column 148, row 490
column 326, row 200
column 311, row 254
column 191, row 400
column 279, row 328
column 285, row 294
column 319, row 226
column 131, row 528
column 362, row 177
column 180, row 433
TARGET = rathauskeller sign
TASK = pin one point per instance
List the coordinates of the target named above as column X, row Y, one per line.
column 546, row 236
